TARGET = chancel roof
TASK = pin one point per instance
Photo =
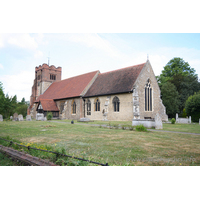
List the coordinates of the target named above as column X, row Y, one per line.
column 114, row 82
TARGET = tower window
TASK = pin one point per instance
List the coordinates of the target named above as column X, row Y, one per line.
column 52, row 77
column 148, row 96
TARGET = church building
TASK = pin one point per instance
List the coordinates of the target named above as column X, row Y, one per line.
column 120, row 95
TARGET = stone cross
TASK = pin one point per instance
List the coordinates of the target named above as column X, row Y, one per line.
column 158, row 122
column 1, row 118
column 20, row 118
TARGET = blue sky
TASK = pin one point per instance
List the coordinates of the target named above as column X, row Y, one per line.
column 85, row 36
column 81, row 53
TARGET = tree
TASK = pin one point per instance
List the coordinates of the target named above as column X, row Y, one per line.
column 170, row 98
column 192, row 107
column 183, row 77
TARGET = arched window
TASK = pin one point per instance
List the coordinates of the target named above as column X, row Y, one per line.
column 148, row 96
column 73, row 107
column 97, row 105
column 116, row 104
column 88, row 103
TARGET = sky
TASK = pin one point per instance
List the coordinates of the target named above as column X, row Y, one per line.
column 81, row 38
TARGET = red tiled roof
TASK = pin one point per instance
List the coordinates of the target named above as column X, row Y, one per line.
column 114, row 82
column 68, row 88
column 49, row 105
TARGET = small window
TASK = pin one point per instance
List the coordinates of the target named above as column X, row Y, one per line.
column 73, row 107
column 88, row 104
column 97, row 105
column 116, row 104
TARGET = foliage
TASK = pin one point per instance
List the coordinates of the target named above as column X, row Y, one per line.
column 184, row 115
column 192, row 107
column 49, row 115
column 173, row 121
column 183, row 77
column 170, row 99
column 140, row 128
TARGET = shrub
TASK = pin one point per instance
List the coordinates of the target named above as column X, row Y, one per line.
column 49, row 115
column 140, row 128
column 184, row 115
column 173, row 121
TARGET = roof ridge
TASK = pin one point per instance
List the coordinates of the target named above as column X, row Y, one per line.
column 122, row 68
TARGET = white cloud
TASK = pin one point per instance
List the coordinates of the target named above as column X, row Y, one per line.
column 1, row 66
column 38, row 54
column 22, row 41
column 95, row 41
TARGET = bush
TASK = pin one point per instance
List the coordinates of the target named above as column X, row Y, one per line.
column 49, row 115
column 173, row 121
column 140, row 128
column 184, row 115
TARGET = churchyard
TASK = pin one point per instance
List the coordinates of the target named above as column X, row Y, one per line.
column 114, row 146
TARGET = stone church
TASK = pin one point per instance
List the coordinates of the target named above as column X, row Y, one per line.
column 120, row 95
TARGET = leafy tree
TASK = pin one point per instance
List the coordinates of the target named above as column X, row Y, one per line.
column 192, row 107
column 170, row 98
column 2, row 98
column 175, row 67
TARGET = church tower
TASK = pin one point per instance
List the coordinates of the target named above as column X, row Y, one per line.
column 45, row 75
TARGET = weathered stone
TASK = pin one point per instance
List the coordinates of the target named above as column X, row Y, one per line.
column 28, row 118
column 84, row 119
column 1, row 118
column 158, row 122
column 148, row 123
column 20, row 117
column 15, row 117
column 40, row 117
column 199, row 121
column 183, row 120
column 11, row 117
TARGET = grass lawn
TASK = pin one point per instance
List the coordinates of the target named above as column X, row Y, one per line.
column 113, row 146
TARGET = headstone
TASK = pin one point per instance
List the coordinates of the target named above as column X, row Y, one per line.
column 15, row 117
column 20, row 117
column 11, row 117
column 40, row 117
column 1, row 118
column 199, row 121
column 190, row 121
column 177, row 117
column 28, row 118
column 158, row 122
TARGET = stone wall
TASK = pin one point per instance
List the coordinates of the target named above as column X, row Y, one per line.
column 139, row 95
column 107, row 108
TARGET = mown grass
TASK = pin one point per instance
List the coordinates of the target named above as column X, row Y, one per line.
column 113, row 146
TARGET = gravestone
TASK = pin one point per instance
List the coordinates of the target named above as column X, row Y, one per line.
column 199, row 121
column 11, row 117
column 15, row 117
column 1, row 118
column 40, row 117
column 158, row 122
column 28, row 118
column 20, row 117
